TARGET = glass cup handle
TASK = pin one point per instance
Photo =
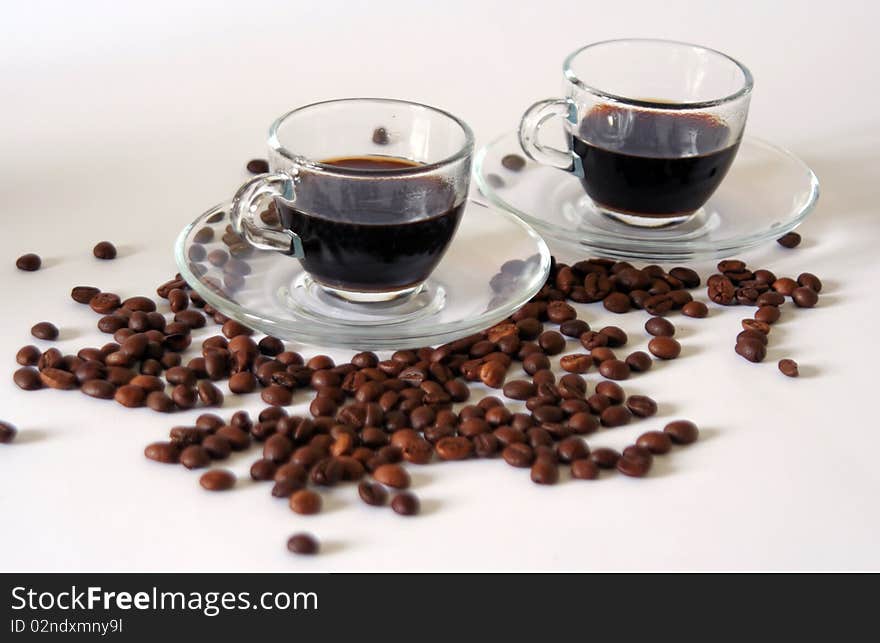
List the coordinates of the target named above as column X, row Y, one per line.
column 530, row 126
column 246, row 204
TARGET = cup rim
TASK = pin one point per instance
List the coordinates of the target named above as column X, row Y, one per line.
column 748, row 80
column 314, row 165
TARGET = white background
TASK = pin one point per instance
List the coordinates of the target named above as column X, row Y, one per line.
column 125, row 120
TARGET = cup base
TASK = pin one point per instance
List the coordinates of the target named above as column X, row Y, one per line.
column 641, row 221
column 312, row 300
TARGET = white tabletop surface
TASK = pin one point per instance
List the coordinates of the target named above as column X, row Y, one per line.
column 123, row 121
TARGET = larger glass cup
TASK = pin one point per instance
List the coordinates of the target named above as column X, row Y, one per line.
column 369, row 194
column 652, row 126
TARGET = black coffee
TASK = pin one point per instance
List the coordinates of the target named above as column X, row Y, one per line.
column 647, row 163
column 372, row 233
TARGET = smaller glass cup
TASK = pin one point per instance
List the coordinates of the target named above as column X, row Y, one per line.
column 652, row 126
column 368, row 191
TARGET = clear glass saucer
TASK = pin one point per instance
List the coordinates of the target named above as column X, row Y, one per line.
column 767, row 192
column 495, row 264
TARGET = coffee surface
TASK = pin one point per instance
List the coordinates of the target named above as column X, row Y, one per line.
column 652, row 163
column 372, row 234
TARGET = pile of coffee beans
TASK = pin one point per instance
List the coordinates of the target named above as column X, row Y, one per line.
column 369, row 416
column 735, row 284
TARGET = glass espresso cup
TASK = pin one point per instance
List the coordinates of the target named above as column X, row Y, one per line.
column 652, row 126
column 369, row 193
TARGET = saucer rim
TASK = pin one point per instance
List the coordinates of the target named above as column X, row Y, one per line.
column 687, row 250
column 357, row 339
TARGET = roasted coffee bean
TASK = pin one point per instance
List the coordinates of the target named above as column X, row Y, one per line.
column 770, row 298
column 305, row 502
column 492, row 374
column 196, row 253
column 635, row 462
column 372, row 493
column 518, row 454
column 327, row 472
column 263, row 470
column 243, row 383
column 486, row 445
column 28, row 355
column 592, row 340
column 598, row 403
column 571, row 449
column 453, row 448
column 149, row 383
column 142, row 304
column 7, row 432
column 574, row 328
column 804, row 297
column 602, row 353
column 756, row 326
column 130, row 395
column 560, row 312
column 58, row 379
column 577, row 363
column 530, row 328
column 752, row 335
column 180, row 375
column 656, row 442
column 105, row 303
column 195, row 457
column 29, row 262
column 688, row 277
column 614, row 369
column 104, row 250
column 27, row 379
column 789, row 240
column 604, row 458
column 217, row 480
column 190, row 318
column 682, row 431
column 217, row 447
column 257, row 166
column 519, row 389
column 584, row 469
column 513, row 162
column 551, row 342
column 286, row 488
column 509, row 435
column 659, row 327
column 544, row 472
column 617, row 302
column 535, row 362
column 613, row 391
column 405, row 504
column 615, row 416
column 784, row 286
column 721, row 290
column 659, row 304
column 209, row 394
column 83, row 294
column 97, row 388
column 788, row 367
column 51, row 358
column 751, row 349
column 639, row 361
column 164, row 452
column 45, row 330
column 184, row 396
column 809, row 280
column 160, row 402
column 664, row 348
column 392, row 475
column 277, row 448
column 458, row 391
column 301, row 543
column 238, row 439
column 641, row 405
column 767, row 314
column 582, row 423
column 695, row 309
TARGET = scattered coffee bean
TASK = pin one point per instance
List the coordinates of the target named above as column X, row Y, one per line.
column 29, row 262
column 695, row 309
column 604, row 458
column 7, row 432
column 209, row 394
column 195, row 457
column 544, row 471
column 105, row 303
column 614, row 369
column 577, row 363
column 28, row 355
column 513, row 162
column 301, row 543
column 45, row 330
column 615, row 416
column 83, row 294
column 552, row 342
column 372, row 493
column 635, row 462
column 788, row 367
column 104, row 250
column 767, row 314
column 804, row 297
column 454, row 448
column 810, row 280
column 659, row 327
column 664, row 348
column 393, row 475
column 756, row 326
column 305, row 502
column 641, row 405
column 164, row 452
column 617, row 302
column 682, row 431
column 217, row 480
column 258, row 166
column 751, row 349
column 656, row 442
column 789, row 240
column 405, row 504
column 639, row 361
column 584, row 469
